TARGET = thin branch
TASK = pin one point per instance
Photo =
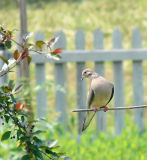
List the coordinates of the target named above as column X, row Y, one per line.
column 36, row 51
column 112, row 108
column 17, row 43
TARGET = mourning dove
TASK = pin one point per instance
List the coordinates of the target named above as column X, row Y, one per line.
column 100, row 94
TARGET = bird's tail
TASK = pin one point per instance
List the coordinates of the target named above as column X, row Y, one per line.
column 89, row 116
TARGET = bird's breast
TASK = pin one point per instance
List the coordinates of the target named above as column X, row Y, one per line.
column 102, row 93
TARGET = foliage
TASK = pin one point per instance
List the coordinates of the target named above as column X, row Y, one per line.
column 12, row 110
column 129, row 145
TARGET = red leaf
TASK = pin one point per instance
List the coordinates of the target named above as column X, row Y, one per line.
column 23, row 57
column 16, row 54
column 10, row 89
column 19, row 105
column 58, row 50
column 24, row 52
column 8, row 38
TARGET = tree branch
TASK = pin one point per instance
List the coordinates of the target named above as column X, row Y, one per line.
column 112, row 108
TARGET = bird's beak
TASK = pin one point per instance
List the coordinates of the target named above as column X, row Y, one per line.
column 82, row 77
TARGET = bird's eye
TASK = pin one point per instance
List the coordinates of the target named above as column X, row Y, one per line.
column 85, row 72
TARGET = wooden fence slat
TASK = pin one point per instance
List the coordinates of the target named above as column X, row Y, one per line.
column 95, row 55
column 3, row 79
column 118, row 84
column 61, row 79
column 99, row 68
column 81, row 85
column 138, row 81
column 41, row 97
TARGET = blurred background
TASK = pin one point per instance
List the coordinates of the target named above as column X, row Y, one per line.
column 50, row 16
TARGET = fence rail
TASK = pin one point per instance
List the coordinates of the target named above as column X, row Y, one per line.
column 99, row 56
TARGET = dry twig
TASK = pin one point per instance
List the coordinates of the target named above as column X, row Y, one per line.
column 112, row 108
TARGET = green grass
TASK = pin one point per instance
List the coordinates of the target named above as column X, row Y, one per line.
column 50, row 16
column 130, row 145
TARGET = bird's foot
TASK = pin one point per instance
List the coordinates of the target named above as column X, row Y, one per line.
column 95, row 109
column 105, row 108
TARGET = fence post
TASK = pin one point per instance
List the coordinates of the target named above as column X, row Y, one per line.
column 138, row 81
column 99, row 68
column 61, row 80
column 118, row 84
column 41, row 97
column 81, row 85
column 4, row 78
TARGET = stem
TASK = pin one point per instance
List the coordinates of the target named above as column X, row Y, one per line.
column 113, row 108
column 35, row 51
column 17, row 43
column 12, row 117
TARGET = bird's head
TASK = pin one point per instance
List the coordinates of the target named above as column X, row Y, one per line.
column 88, row 73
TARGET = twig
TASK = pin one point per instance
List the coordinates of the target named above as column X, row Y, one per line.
column 17, row 43
column 112, row 108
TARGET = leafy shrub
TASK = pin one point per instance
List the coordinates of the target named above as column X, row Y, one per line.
column 20, row 126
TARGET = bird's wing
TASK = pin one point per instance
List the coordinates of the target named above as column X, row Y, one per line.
column 90, row 97
column 112, row 93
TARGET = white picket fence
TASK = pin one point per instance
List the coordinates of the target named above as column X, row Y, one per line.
column 99, row 56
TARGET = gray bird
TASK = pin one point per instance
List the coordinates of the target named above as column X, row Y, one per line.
column 100, row 94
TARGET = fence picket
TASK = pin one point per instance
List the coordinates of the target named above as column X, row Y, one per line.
column 138, row 81
column 41, row 97
column 117, row 55
column 81, row 85
column 60, row 79
column 4, row 78
column 99, row 68
column 118, row 84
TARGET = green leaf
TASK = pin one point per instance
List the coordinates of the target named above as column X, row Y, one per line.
column 7, row 118
column 61, row 154
column 8, row 44
column 13, row 99
column 11, row 84
column 15, row 119
column 25, row 157
column 37, row 132
column 4, row 59
column 51, row 153
column 44, row 147
column 40, row 44
column 6, row 135
column 23, row 138
column 22, row 118
column 29, row 59
column 33, row 121
column 37, row 140
column 38, row 154
column 5, row 89
column 19, row 132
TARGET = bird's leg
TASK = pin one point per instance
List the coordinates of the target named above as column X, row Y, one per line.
column 95, row 109
column 105, row 108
